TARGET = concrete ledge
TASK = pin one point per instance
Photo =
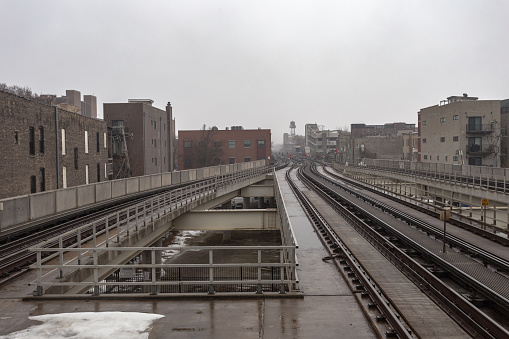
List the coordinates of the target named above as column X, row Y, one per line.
column 173, row 296
column 42, row 204
column 66, row 199
column 86, row 195
column 18, row 212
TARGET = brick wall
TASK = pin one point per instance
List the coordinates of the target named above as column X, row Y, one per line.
column 17, row 165
column 239, row 152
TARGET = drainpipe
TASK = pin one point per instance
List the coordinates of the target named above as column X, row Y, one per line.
column 160, row 145
column 144, row 146
column 57, row 148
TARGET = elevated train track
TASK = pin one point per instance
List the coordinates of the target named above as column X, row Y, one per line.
column 466, row 271
column 15, row 257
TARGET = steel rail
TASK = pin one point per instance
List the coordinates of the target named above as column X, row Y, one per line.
column 430, row 284
column 392, row 318
column 486, row 256
column 482, row 324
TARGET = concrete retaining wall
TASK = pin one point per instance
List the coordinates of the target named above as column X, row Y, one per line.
column 14, row 211
column 66, row 199
column 19, row 210
column 42, row 204
column 86, row 195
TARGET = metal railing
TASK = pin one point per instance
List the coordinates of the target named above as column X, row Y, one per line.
column 123, row 223
column 263, row 272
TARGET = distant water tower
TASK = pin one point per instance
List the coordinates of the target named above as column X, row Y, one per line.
column 292, row 128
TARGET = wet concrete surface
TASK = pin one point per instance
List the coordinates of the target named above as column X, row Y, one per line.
column 328, row 309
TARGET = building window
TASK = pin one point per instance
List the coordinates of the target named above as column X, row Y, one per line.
column 438, row 157
column 442, row 139
column 33, row 184
column 117, row 123
column 231, row 160
column 41, row 139
column 104, row 141
column 217, row 143
column 474, row 124
column 31, row 140
column 64, row 177
column 442, row 119
column 16, row 137
column 63, row 141
column 247, row 159
column 86, row 174
column 86, row 142
column 105, row 170
column 155, row 161
column 155, row 142
column 155, row 126
column 424, row 122
column 455, row 117
column 75, row 158
column 231, row 144
column 98, row 172
column 424, row 140
column 455, row 138
column 454, row 158
column 247, row 143
column 261, row 143
column 97, row 142
column 187, row 162
column 187, row 144
column 446, row 157
column 425, row 157
column 42, row 179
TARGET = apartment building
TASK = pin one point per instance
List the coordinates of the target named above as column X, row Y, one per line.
column 461, row 130
column 142, row 137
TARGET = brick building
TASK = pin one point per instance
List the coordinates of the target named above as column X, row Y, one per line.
column 143, row 137
column 201, row 148
column 389, row 129
column 45, row 147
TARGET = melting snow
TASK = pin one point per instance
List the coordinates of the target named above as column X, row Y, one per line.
column 89, row 325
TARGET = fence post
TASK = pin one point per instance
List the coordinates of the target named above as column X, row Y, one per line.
column 61, row 256
column 107, row 227
column 259, row 286
column 211, row 272
column 96, row 273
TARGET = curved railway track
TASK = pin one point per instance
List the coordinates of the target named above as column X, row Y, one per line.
column 15, row 257
column 367, row 224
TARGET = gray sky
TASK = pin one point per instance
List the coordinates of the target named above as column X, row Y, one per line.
column 262, row 63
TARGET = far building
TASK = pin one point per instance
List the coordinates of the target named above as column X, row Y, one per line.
column 319, row 142
column 142, row 137
column 380, row 141
column 210, row 147
column 292, row 143
column 463, row 130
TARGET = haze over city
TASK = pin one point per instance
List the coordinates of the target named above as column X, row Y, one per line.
column 264, row 63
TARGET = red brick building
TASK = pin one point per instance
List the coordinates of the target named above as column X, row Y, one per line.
column 201, row 148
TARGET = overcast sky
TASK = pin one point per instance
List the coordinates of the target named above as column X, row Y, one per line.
column 261, row 63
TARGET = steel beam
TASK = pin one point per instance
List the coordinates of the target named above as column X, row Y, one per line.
column 245, row 219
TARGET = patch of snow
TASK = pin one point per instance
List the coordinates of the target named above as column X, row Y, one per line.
column 89, row 325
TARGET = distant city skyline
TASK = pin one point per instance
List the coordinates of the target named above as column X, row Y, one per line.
column 261, row 64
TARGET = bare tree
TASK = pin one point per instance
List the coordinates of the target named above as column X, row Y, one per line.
column 204, row 150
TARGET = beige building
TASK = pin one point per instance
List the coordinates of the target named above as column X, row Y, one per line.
column 461, row 130
column 410, row 145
